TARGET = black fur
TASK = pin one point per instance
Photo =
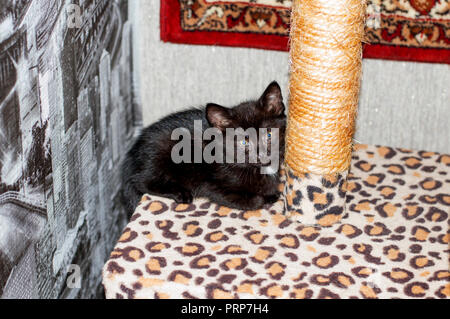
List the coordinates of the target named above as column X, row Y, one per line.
column 149, row 169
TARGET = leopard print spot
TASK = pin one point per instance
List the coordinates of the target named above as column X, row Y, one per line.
column 428, row 199
column 362, row 272
column 395, row 169
column 393, row 253
column 443, row 292
column 429, row 169
column 326, row 261
column 290, row 199
column 420, row 233
column 425, row 154
column 378, row 229
column 353, row 187
column 164, row 224
column 150, row 282
column 368, row 292
column 341, row 280
column 272, row 291
column 399, row 275
column 114, row 268
column 444, row 199
column 262, row 254
column 128, row 236
column 245, row 288
column 320, row 280
column 412, row 211
column 363, row 205
column 144, row 199
column 327, row 294
column 180, row 277
column 251, row 214
column 326, row 241
column 276, row 270
column 374, row 179
column 296, row 200
column 444, row 159
column 300, row 277
column 224, row 211
column 412, row 162
column 349, row 230
column 444, row 239
column 202, row 262
column 365, row 250
column 309, row 233
column 331, row 181
column 386, row 152
column 155, row 264
column 387, row 192
column 301, row 291
column 190, row 249
column 192, row 229
column 436, row 215
column 386, row 210
column 198, row 213
column 131, row 254
column 216, row 237
column 288, row 241
column 156, row 207
column 420, row 262
column 330, row 217
column 161, row 296
column 430, row 184
column 130, row 293
column 219, row 293
column 416, row 289
column 233, row 250
column 183, row 208
column 280, row 220
column 443, row 275
column 364, row 166
column 256, row 237
column 216, row 223
column 320, row 199
column 234, row 263
column 156, row 247
column 226, row 279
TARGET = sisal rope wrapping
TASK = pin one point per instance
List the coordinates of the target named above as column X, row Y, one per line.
column 326, row 55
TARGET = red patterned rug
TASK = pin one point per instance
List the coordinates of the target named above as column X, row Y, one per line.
column 409, row 30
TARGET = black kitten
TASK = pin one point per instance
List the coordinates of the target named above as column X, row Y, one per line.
column 149, row 167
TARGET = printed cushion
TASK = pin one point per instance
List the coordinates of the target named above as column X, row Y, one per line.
column 393, row 243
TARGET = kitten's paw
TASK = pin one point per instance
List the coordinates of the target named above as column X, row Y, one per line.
column 184, row 197
column 255, row 202
column 271, row 199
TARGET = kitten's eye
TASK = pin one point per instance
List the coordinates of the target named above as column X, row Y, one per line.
column 269, row 135
column 245, row 141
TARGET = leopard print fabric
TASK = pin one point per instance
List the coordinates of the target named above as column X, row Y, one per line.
column 315, row 199
column 392, row 243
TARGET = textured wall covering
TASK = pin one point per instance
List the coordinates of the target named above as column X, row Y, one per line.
column 402, row 104
column 67, row 115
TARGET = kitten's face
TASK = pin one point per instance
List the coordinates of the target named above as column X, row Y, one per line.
column 259, row 126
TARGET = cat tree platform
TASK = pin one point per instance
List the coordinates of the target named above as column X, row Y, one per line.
column 392, row 243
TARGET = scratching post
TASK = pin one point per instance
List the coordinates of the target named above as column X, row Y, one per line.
column 326, row 55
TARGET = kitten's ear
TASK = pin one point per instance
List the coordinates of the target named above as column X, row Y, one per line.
column 272, row 100
column 219, row 116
